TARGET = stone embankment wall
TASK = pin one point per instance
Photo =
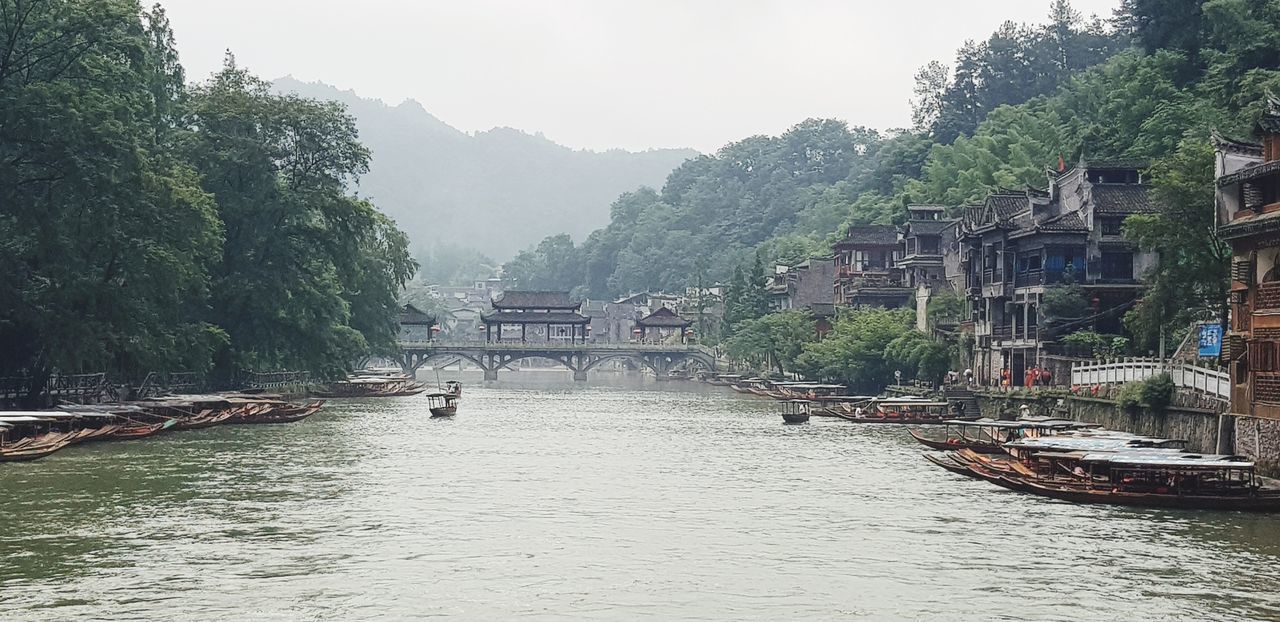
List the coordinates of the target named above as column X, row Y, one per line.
column 1198, row 427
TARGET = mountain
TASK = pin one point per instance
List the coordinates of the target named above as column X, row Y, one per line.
column 498, row 191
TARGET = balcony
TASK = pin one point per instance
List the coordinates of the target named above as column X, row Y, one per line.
column 1029, row 278
column 846, row 272
column 1268, row 298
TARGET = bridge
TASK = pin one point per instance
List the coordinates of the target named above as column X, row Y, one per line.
column 579, row 358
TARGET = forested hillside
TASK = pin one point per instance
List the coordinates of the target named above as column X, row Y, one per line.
column 1150, row 83
column 496, row 191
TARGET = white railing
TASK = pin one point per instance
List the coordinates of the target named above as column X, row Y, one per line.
column 1202, row 379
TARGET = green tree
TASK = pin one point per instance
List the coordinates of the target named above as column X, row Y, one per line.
column 309, row 276
column 773, row 341
column 853, row 353
column 1190, row 281
column 106, row 239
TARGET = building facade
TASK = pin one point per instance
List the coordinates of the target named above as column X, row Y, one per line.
column 1248, row 215
column 1018, row 246
column 867, row 274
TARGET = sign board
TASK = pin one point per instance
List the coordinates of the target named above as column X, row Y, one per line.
column 1210, row 340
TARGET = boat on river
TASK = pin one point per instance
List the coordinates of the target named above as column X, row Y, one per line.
column 895, row 410
column 987, row 435
column 796, row 411
column 444, row 403
column 401, row 385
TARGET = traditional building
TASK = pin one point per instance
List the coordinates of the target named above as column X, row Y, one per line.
column 1248, row 213
column 1019, row 244
column 415, row 326
column 663, row 326
column 803, row 285
column 539, row 316
column 866, row 270
column 921, row 261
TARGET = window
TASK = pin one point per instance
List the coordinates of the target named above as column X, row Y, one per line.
column 1112, row 226
column 1117, row 265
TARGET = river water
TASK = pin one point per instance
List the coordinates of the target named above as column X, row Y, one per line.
column 619, row 500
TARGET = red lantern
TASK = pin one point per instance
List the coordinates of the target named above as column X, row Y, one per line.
column 435, row 328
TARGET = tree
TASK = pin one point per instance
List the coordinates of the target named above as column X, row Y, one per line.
column 929, row 95
column 105, row 236
column 309, row 276
column 1190, row 281
column 773, row 341
column 853, row 353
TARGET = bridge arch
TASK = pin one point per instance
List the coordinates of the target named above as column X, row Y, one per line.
column 414, row 361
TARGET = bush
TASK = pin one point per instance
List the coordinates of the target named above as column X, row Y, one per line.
column 1154, row 393
column 1157, row 392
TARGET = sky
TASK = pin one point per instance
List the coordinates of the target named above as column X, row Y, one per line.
column 602, row 74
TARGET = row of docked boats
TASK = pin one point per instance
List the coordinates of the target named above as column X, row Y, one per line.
column 1083, row 463
column 393, row 382
column 802, row 400
column 30, row 435
column 378, row 382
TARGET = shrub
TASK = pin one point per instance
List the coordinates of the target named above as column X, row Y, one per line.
column 1157, row 392
column 1154, row 393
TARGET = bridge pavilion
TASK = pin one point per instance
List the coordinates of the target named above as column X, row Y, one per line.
column 537, row 316
column 662, row 325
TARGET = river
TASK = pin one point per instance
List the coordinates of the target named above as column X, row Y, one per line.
column 618, row 500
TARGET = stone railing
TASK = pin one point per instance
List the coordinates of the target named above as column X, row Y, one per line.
column 1213, row 382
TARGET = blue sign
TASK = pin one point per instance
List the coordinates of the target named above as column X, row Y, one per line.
column 1211, row 340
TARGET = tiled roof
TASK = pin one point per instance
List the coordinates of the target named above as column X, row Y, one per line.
column 1122, row 199
column 1064, row 223
column 1130, row 164
column 411, row 315
column 1006, row 206
column 1268, row 124
column 1250, row 173
column 881, row 235
column 516, row 317
column 529, row 299
column 664, row 318
column 928, row 227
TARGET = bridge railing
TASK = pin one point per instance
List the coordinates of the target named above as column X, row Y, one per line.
column 544, row 345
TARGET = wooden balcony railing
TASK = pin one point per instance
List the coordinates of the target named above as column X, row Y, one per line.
column 1268, row 298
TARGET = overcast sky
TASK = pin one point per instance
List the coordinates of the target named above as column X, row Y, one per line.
column 601, row 74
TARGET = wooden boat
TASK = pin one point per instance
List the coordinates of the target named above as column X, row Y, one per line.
column 987, row 435
column 796, row 411
column 947, row 462
column 722, row 380
column 278, row 412
column 29, row 436
column 442, row 403
column 900, row 411
column 372, row 386
column 136, row 429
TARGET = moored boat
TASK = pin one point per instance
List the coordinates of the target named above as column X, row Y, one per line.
column 897, row 410
column 987, row 435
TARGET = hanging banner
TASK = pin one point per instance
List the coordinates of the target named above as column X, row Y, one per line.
column 1210, row 340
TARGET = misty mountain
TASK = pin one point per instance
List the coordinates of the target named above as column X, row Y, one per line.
column 498, row 191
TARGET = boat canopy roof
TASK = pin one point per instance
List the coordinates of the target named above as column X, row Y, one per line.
column 1023, row 424
column 908, row 402
column 23, row 419
column 1092, row 443
column 1166, row 460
